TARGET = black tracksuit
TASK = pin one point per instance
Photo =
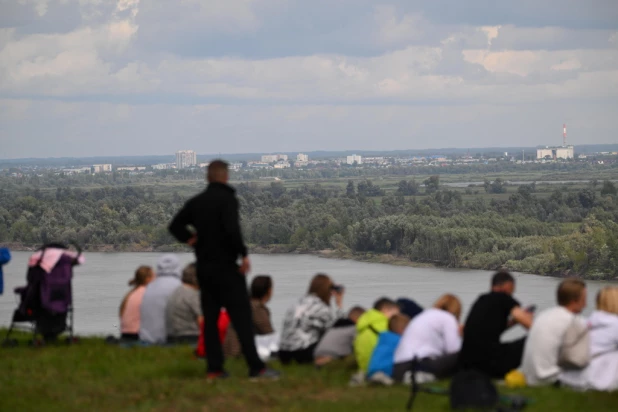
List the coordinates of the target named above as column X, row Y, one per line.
column 214, row 216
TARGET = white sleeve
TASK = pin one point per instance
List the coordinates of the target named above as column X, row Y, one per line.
column 452, row 340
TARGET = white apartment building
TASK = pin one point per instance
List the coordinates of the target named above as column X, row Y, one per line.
column 301, row 157
column 354, row 159
column 274, row 158
column 104, row 168
column 85, row 170
column 282, row 165
column 131, row 168
column 185, row 158
column 556, row 152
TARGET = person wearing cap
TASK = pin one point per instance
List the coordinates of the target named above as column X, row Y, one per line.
column 152, row 311
column 210, row 223
column 130, row 306
column 183, row 312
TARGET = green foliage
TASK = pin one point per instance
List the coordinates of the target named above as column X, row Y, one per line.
column 570, row 231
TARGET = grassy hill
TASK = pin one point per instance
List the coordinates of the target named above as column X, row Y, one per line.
column 93, row 376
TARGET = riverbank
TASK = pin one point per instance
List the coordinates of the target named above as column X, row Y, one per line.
column 386, row 259
column 93, row 376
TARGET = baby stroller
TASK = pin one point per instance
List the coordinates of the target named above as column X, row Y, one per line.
column 46, row 302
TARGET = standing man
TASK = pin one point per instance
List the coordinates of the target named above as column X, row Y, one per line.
column 218, row 245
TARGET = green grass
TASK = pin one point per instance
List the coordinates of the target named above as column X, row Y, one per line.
column 93, row 376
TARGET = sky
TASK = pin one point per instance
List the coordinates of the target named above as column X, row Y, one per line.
column 145, row 77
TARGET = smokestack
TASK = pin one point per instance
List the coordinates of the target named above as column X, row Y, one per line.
column 564, row 135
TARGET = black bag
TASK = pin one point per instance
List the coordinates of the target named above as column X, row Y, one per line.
column 471, row 389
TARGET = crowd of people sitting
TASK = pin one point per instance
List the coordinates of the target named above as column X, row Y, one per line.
column 396, row 338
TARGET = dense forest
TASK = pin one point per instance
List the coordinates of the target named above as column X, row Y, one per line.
column 570, row 230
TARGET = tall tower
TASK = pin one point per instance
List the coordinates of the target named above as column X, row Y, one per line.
column 564, row 135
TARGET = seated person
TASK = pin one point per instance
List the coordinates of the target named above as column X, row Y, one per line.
column 152, row 311
column 433, row 338
column 409, row 307
column 382, row 358
column 369, row 326
column 261, row 292
column 602, row 372
column 130, row 306
column 338, row 341
column 491, row 315
column 546, row 336
column 184, row 312
column 306, row 322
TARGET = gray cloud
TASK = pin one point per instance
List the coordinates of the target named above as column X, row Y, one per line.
column 254, row 75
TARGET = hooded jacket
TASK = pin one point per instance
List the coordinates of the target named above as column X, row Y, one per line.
column 154, row 303
column 368, row 328
column 602, row 372
column 382, row 358
column 338, row 340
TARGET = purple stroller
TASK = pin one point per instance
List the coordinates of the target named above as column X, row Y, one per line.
column 46, row 302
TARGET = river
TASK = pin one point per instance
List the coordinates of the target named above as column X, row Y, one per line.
column 100, row 284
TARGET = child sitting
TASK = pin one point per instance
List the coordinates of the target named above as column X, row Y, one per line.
column 338, row 341
column 369, row 326
column 382, row 359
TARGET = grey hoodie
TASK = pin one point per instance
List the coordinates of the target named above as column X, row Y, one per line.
column 152, row 311
column 338, row 341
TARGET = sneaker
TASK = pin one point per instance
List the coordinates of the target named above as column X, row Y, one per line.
column 215, row 376
column 265, row 374
column 358, row 379
column 380, row 378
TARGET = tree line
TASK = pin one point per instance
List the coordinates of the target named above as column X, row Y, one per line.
column 568, row 231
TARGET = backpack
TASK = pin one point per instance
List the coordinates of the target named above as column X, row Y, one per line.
column 575, row 350
column 472, row 389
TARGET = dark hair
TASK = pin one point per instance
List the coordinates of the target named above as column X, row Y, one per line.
column 189, row 275
column 570, row 290
column 217, row 169
column 384, row 303
column 502, row 277
column 260, row 286
column 321, row 287
column 356, row 311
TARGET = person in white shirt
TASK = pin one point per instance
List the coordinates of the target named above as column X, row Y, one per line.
column 433, row 338
column 541, row 353
column 602, row 372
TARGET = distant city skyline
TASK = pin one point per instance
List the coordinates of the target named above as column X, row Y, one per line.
column 126, row 77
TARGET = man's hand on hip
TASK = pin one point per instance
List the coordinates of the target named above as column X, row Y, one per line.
column 245, row 267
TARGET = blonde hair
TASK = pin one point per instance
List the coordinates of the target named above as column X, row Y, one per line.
column 569, row 291
column 449, row 303
column 143, row 275
column 321, row 286
column 607, row 299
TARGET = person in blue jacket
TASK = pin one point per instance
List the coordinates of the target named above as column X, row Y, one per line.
column 383, row 357
column 5, row 257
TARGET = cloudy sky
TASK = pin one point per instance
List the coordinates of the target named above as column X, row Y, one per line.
column 131, row 77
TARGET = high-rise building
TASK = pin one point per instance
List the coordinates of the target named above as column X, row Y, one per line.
column 354, row 159
column 105, row 168
column 185, row 158
column 302, row 157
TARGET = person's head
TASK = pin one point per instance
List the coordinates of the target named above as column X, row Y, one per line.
column 387, row 306
column 571, row 294
column 143, row 276
column 503, row 282
column 449, row 303
column 321, row 286
column 262, row 288
column 169, row 265
column 397, row 323
column 409, row 307
column 355, row 313
column 607, row 300
column 189, row 275
column 218, row 172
